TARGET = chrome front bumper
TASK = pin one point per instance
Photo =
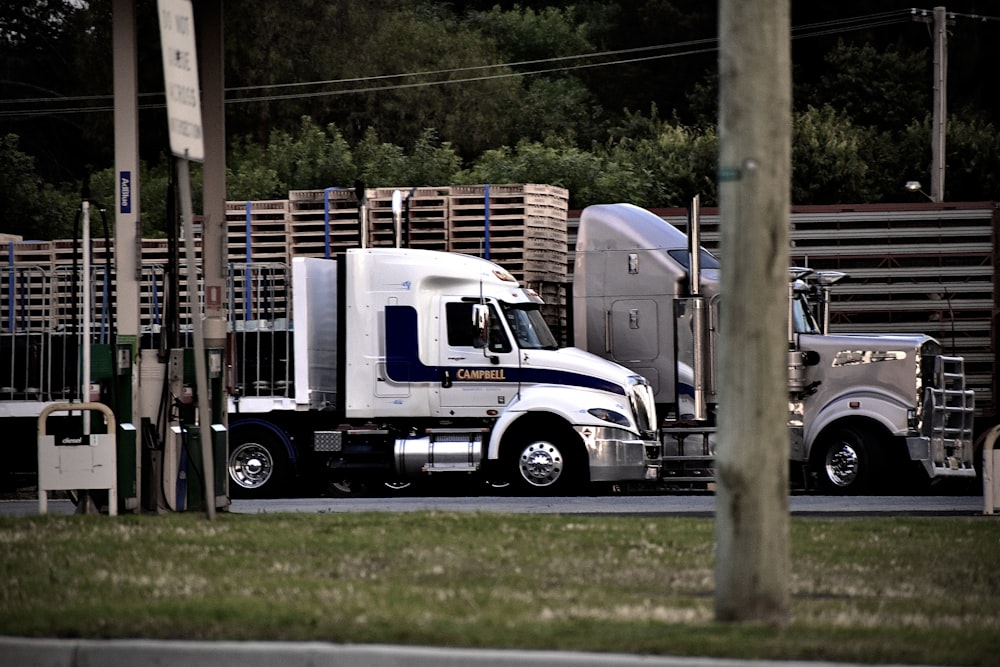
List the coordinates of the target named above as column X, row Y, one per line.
column 942, row 458
column 615, row 454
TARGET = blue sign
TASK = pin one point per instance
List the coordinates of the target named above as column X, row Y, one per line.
column 125, row 192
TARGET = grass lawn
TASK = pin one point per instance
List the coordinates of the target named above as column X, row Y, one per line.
column 904, row 590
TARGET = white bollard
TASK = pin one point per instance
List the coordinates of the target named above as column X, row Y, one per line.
column 991, row 468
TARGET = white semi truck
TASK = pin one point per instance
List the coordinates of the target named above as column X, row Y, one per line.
column 864, row 410
column 373, row 370
column 416, row 363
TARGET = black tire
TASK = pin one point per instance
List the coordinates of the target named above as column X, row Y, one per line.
column 346, row 488
column 847, row 460
column 258, row 465
column 541, row 465
column 353, row 488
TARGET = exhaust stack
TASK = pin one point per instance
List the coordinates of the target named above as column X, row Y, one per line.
column 692, row 335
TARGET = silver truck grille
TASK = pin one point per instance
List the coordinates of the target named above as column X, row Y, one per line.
column 948, row 411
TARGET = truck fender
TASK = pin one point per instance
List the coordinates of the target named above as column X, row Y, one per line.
column 278, row 432
column 568, row 403
column 883, row 409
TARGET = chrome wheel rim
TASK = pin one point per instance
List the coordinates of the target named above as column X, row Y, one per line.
column 842, row 464
column 541, row 464
column 251, row 466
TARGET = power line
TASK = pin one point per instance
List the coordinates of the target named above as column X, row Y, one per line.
column 690, row 47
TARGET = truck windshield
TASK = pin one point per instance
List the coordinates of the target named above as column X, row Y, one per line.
column 528, row 326
column 683, row 257
column 803, row 321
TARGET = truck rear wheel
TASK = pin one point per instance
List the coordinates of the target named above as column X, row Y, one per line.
column 257, row 466
column 847, row 460
column 546, row 465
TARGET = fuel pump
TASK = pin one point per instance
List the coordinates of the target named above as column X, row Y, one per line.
column 184, row 479
column 121, row 405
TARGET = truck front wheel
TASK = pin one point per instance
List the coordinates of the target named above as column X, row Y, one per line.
column 546, row 465
column 257, row 464
column 846, row 460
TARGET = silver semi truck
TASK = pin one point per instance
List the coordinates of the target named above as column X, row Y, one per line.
column 864, row 410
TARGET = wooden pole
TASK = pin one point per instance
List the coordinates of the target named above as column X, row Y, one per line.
column 752, row 549
column 939, row 118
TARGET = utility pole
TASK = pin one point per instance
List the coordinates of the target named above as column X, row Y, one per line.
column 939, row 112
column 751, row 506
column 940, row 115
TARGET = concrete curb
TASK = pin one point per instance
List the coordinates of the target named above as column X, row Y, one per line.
column 26, row 652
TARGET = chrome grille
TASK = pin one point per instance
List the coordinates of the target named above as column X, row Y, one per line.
column 640, row 396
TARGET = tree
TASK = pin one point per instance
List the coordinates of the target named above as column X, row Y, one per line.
column 314, row 157
column 973, row 157
column 672, row 162
column 406, row 69
column 551, row 162
column 873, row 88
column 831, row 158
column 29, row 207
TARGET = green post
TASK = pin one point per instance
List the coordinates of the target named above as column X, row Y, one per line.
column 219, row 405
column 126, row 440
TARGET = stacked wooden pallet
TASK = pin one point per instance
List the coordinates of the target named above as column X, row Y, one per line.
column 521, row 227
column 257, row 231
column 425, row 219
column 24, row 277
column 322, row 222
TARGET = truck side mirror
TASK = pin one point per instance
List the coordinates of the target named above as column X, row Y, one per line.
column 481, row 326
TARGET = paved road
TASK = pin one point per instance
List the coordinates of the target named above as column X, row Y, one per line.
column 702, row 504
column 657, row 505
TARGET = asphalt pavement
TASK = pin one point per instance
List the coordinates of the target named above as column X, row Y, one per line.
column 649, row 505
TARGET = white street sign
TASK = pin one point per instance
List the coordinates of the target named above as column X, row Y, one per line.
column 180, row 76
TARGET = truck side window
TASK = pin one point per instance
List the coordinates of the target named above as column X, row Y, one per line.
column 463, row 333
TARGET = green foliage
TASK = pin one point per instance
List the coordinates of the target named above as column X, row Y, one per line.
column 531, row 34
column 469, row 106
column 431, row 162
column 973, row 160
column 830, row 157
column 556, row 107
column 875, row 88
column 313, row 158
column 669, row 161
column 323, row 92
column 552, row 162
column 29, row 207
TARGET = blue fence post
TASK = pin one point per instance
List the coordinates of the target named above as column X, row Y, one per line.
column 246, row 269
column 486, row 220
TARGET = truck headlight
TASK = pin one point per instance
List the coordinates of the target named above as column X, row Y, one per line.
column 610, row 416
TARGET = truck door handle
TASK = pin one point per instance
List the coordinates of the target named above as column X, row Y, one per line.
column 446, row 379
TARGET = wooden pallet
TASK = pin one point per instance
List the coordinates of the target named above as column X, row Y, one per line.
column 310, row 234
column 521, row 227
column 260, row 236
column 425, row 222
